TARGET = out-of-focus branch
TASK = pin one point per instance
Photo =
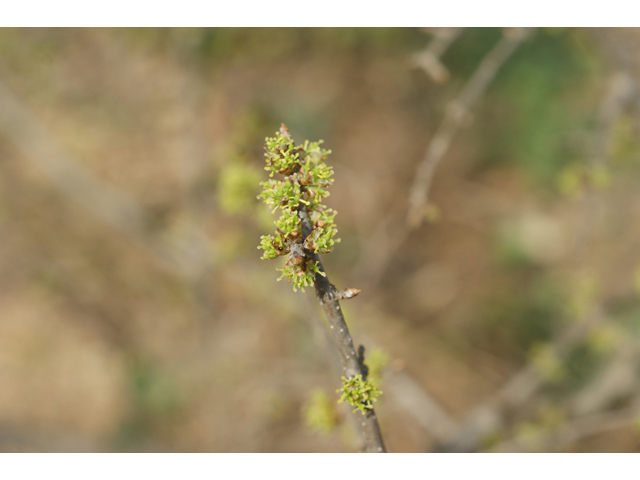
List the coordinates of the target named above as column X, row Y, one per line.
column 189, row 258
column 617, row 380
column 456, row 114
column 406, row 392
column 416, row 400
column 621, row 93
column 377, row 253
column 490, row 416
column 576, row 430
column 420, row 405
column 429, row 58
column 523, row 386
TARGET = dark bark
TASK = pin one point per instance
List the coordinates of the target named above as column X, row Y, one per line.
column 352, row 363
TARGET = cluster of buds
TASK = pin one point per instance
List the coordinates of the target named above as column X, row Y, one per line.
column 358, row 393
column 305, row 183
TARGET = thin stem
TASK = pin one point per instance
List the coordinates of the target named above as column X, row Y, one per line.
column 352, row 363
column 575, row 431
column 457, row 112
column 429, row 58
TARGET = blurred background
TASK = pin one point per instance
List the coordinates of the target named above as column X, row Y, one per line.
column 136, row 314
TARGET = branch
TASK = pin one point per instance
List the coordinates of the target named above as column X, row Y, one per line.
column 576, row 430
column 352, row 363
column 490, row 416
column 525, row 384
column 424, row 409
column 617, row 380
column 457, row 112
column 622, row 91
column 429, row 58
column 377, row 255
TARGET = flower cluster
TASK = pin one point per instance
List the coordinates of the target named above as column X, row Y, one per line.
column 358, row 393
column 305, row 183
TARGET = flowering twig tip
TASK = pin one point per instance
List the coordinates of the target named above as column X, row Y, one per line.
column 304, row 186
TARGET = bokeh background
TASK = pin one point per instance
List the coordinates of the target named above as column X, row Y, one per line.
column 136, row 314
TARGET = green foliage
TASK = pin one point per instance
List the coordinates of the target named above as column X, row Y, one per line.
column 604, row 339
column 358, row 393
column 319, row 413
column 538, row 107
column 574, row 177
column 305, row 183
column 547, row 362
column 236, row 188
column 582, row 297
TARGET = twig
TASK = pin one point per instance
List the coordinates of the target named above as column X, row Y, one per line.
column 528, row 381
column 489, row 417
column 574, row 431
column 352, row 363
column 457, row 112
column 421, row 405
column 429, row 58
column 327, row 348
column 417, row 402
column 375, row 257
column 621, row 93
column 617, row 380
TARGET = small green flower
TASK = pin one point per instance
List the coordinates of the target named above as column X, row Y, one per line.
column 305, row 183
column 358, row 393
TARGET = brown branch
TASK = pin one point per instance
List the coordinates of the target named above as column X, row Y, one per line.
column 429, row 58
column 526, row 383
column 617, row 380
column 376, row 257
column 457, row 112
column 575, row 431
column 424, row 409
column 490, row 416
column 622, row 91
column 352, row 363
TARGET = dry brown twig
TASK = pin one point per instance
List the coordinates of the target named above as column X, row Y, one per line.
column 488, row 418
column 429, row 58
column 528, row 381
column 377, row 257
column 574, row 431
column 622, row 92
column 457, row 113
column 378, row 254
column 352, row 362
